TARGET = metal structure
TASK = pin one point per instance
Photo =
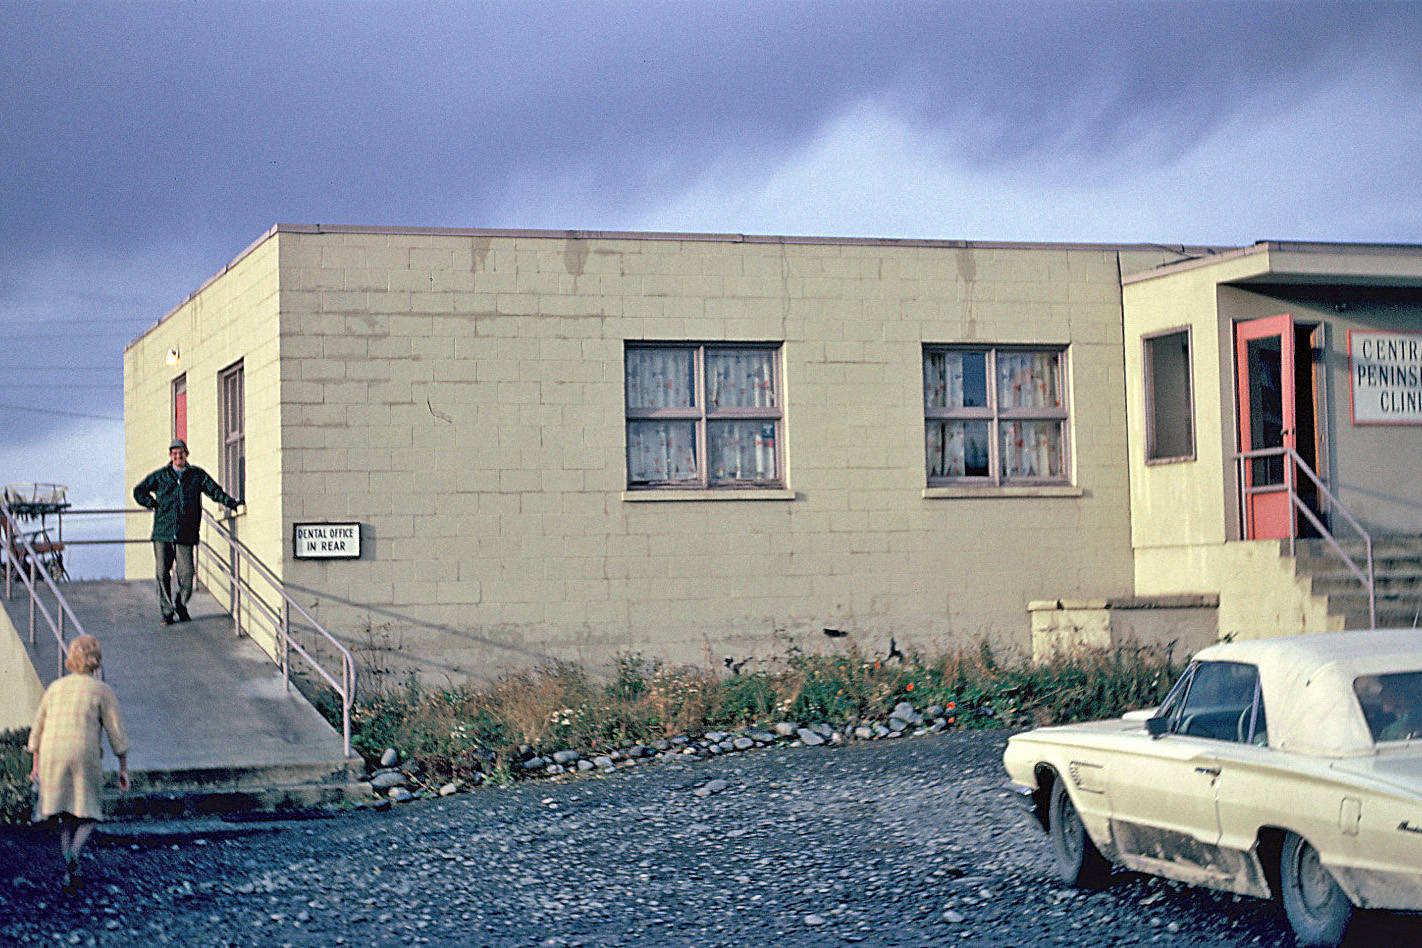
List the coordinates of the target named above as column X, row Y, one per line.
column 259, row 602
column 257, row 598
column 1294, row 464
column 26, row 563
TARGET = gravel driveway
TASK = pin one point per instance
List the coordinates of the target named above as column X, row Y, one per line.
column 900, row 842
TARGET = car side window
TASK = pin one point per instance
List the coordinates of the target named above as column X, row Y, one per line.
column 1223, row 703
column 1392, row 704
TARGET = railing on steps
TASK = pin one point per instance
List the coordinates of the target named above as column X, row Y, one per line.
column 24, row 561
column 238, row 570
column 1293, row 464
column 232, row 565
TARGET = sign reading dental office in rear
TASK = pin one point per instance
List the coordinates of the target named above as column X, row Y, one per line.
column 326, row 541
column 1385, row 376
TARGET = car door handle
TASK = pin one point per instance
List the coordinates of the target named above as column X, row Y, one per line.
column 1212, row 771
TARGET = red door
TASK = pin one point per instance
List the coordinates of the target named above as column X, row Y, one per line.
column 1264, row 366
column 180, row 407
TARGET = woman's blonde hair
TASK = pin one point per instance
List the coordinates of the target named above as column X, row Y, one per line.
column 85, row 655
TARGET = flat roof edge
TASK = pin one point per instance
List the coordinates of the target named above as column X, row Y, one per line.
column 1264, row 248
column 731, row 238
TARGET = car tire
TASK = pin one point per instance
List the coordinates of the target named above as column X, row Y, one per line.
column 1318, row 910
column 1079, row 863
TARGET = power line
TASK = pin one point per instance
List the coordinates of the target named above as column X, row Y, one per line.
column 55, row 411
column 57, row 319
column 61, row 368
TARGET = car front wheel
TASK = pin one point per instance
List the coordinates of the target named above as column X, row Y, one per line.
column 1316, row 907
column 1078, row 861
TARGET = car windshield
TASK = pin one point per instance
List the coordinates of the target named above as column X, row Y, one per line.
column 1392, row 704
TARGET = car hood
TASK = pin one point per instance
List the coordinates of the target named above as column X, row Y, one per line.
column 1086, row 731
column 1401, row 770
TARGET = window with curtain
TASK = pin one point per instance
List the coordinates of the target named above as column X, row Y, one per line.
column 701, row 416
column 994, row 415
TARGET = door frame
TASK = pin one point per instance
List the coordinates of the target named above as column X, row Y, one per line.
column 1268, row 510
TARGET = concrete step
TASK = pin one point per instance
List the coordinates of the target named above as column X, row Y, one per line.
column 1392, row 613
column 1397, row 574
column 237, row 791
column 1403, row 585
column 1404, row 548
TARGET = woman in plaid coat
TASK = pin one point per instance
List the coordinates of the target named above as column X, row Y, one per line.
column 67, row 754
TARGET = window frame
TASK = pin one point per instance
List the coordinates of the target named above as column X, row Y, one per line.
column 232, row 429
column 1148, row 382
column 702, row 416
column 995, row 416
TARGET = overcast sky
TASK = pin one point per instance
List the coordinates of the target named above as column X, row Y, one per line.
column 145, row 144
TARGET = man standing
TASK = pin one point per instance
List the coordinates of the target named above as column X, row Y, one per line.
column 174, row 494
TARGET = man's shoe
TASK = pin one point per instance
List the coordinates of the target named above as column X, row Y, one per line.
column 183, row 614
column 169, row 620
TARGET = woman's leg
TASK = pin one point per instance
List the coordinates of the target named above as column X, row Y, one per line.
column 66, row 834
column 82, row 829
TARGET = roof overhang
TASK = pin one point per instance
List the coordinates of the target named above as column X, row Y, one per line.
column 1308, row 264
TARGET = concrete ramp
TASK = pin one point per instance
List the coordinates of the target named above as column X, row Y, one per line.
column 212, row 725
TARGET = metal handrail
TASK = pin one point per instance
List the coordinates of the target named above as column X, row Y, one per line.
column 238, row 556
column 11, row 536
column 1365, row 574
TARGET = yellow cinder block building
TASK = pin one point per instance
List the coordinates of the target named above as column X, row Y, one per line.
column 707, row 447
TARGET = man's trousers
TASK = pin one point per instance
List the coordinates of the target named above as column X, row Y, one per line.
column 165, row 557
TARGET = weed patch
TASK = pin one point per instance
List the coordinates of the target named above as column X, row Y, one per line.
column 14, row 777
column 455, row 732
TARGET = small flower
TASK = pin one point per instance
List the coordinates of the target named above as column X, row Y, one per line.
column 910, row 687
column 952, row 720
column 951, row 706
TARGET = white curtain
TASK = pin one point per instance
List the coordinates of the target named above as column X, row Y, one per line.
column 660, row 378
column 1031, row 449
column 741, row 451
column 740, row 378
column 661, row 451
column 1027, row 380
column 953, row 379
column 957, row 449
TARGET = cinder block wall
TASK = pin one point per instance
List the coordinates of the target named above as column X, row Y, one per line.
column 232, row 317
column 461, row 395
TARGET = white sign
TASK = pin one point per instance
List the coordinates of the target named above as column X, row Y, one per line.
column 326, row 541
column 1385, row 375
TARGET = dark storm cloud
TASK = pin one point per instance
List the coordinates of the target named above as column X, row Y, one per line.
column 212, row 121
column 145, row 144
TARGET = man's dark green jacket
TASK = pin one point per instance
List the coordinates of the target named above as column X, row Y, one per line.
column 177, row 502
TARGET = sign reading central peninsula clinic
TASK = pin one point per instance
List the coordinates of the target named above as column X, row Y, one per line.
column 326, row 541
column 1385, row 375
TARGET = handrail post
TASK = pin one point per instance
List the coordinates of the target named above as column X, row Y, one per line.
column 234, row 594
column 1372, row 584
column 33, row 595
column 347, row 700
column 1291, row 492
column 286, row 644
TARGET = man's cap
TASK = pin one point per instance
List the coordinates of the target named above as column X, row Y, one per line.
column 178, row 443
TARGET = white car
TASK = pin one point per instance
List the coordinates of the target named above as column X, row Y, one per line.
column 1287, row 767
